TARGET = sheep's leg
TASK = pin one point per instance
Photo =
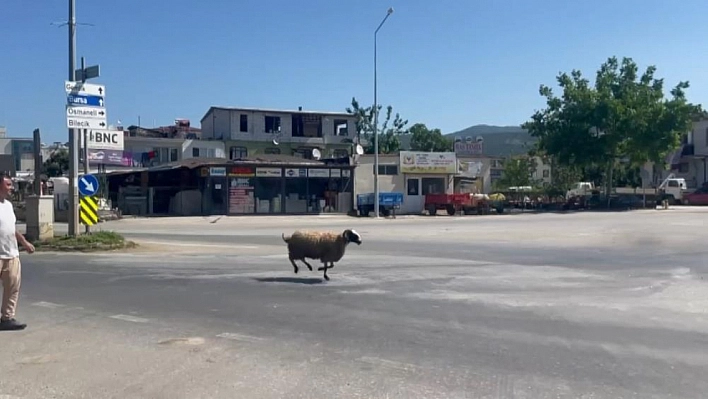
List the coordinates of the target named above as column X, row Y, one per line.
column 294, row 265
column 325, row 267
column 326, row 277
column 308, row 265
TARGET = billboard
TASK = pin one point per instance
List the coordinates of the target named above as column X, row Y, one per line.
column 428, row 162
column 466, row 146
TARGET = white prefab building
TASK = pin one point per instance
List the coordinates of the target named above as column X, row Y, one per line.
column 414, row 174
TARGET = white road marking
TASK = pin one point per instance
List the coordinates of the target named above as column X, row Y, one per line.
column 391, row 364
column 232, row 246
column 133, row 319
column 49, row 305
column 240, row 337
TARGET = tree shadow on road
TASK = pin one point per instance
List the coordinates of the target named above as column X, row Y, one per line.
column 294, row 280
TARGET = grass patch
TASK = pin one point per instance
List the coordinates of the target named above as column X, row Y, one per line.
column 98, row 241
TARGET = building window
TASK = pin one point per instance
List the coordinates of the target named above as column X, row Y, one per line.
column 238, row 152
column 272, row 150
column 683, row 167
column 546, row 173
column 272, row 124
column 174, row 154
column 340, row 127
column 433, row 185
column 243, row 122
column 195, row 152
column 390, row 170
column 341, row 153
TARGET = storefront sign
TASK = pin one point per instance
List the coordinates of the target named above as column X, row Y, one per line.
column 295, row 172
column 242, row 171
column 269, row 172
column 470, row 169
column 318, row 173
column 241, row 196
column 335, row 172
column 467, row 148
column 219, row 172
column 428, row 162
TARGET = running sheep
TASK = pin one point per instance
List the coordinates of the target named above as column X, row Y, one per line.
column 328, row 247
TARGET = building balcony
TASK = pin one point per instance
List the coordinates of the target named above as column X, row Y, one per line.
column 284, row 138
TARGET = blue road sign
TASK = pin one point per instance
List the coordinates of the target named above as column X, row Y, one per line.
column 76, row 99
column 88, row 185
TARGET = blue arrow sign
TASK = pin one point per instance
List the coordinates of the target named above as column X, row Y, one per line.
column 93, row 101
column 88, row 185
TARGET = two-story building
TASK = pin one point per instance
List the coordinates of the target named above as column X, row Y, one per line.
column 689, row 160
column 307, row 134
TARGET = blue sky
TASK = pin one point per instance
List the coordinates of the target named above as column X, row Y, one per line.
column 448, row 64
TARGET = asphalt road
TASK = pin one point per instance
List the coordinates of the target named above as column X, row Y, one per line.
column 543, row 306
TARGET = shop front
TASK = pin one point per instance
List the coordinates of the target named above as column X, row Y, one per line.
column 425, row 173
column 288, row 190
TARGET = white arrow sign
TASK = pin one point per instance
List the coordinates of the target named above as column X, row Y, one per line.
column 88, row 184
column 83, row 123
column 84, row 89
column 86, row 112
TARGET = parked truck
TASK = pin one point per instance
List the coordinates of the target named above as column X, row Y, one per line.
column 466, row 203
column 388, row 203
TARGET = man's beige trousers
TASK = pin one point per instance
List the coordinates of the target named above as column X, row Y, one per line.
column 11, row 275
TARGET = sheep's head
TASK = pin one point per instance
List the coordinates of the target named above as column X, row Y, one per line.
column 352, row 236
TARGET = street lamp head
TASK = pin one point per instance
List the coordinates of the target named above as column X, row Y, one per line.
column 390, row 10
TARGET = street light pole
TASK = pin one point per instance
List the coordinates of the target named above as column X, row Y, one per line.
column 376, row 123
column 73, row 211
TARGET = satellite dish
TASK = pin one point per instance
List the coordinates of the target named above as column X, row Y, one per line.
column 316, row 153
column 275, row 142
column 359, row 149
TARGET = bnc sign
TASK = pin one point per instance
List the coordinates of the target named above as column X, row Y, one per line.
column 104, row 140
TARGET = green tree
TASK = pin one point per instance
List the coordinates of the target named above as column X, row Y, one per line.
column 388, row 131
column 57, row 164
column 622, row 116
column 518, row 171
column 424, row 139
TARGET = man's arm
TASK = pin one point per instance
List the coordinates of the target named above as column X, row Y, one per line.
column 23, row 241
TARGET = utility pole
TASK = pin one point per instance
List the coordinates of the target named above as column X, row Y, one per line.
column 376, row 122
column 73, row 213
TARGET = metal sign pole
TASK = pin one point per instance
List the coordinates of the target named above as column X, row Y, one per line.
column 86, row 166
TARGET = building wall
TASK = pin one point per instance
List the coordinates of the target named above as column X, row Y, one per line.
column 700, row 138
column 364, row 175
column 225, row 124
column 206, row 149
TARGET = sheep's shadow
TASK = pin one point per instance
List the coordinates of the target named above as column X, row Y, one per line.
column 294, row 280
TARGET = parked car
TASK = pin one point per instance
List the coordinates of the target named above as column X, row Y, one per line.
column 698, row 197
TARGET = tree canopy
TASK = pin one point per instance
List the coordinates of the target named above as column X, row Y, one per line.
column 424, row 139
column 518, row 172
column 623, row 116
column 388, row 130
column 57, row 164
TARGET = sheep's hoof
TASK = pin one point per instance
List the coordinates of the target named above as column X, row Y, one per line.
column 326, row 277
column 295, row 271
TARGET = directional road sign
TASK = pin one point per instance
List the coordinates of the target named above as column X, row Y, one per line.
column 86, row 112
column 84, row 89
column 88, row 185
column 82, row 123
column 83, row 100
column 88, row 211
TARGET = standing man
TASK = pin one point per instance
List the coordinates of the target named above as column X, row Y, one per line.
column 10, row 269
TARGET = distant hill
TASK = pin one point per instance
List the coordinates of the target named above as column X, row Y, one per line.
column 499, row 141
